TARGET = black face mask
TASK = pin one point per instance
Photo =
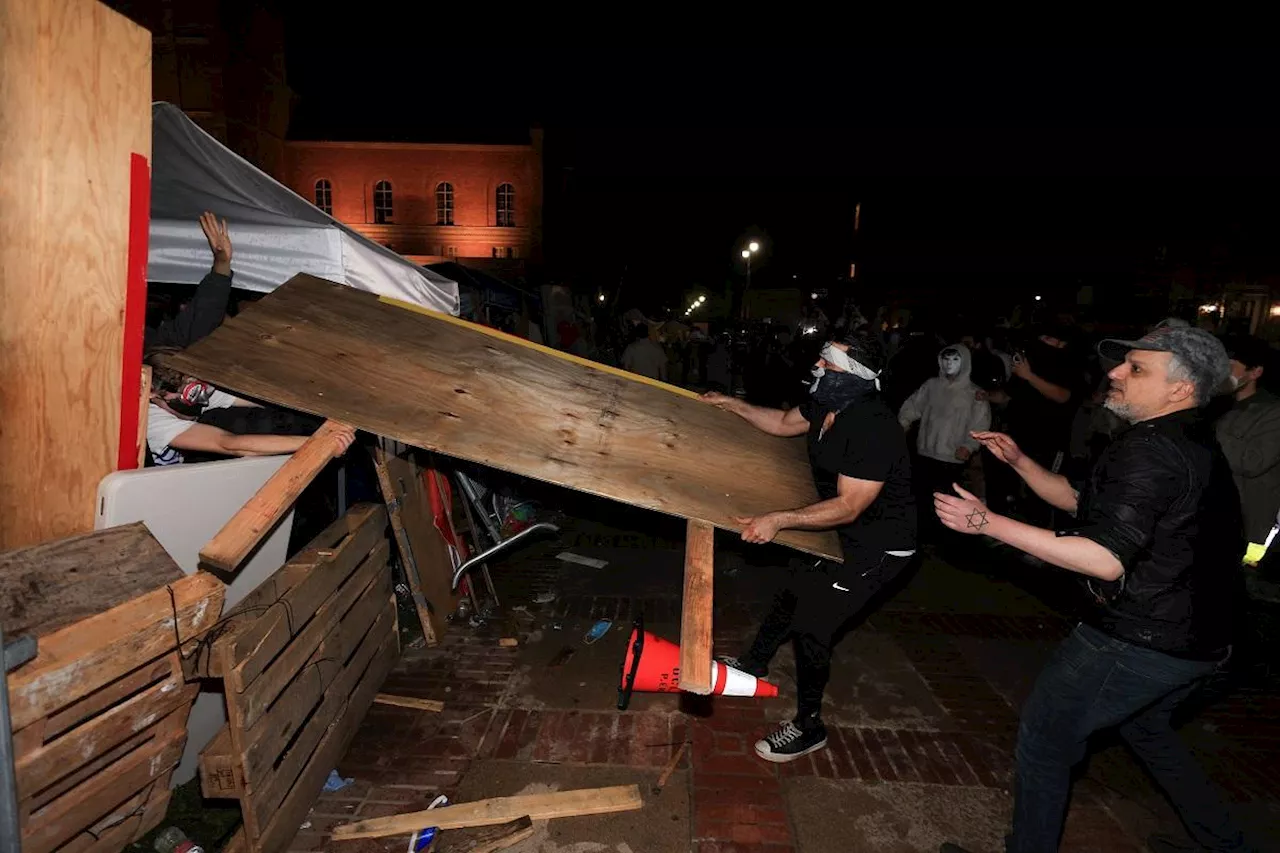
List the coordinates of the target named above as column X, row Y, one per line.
column 835, row 391
column 180, row 407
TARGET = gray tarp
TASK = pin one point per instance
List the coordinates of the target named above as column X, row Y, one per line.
column 276, row 233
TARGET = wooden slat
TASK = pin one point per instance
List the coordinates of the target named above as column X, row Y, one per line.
column 251, row 524
column 247, row 707
column 77, row 660
column 46, row 587
column 695, row 619
column 335, row 351
column 355, row 640
column 75, row 104
column 99, row 734
column 586, row 801
column 489, row 839
column 67, row 816
column 409, row 702
column 400, row 497
column 293, row 809
column 95, row 703
column 253, row 647
column 220, row 773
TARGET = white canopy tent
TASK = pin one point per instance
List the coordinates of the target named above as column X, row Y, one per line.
column 276, row 233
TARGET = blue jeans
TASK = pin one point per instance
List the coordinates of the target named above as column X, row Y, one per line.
column 1093, row 682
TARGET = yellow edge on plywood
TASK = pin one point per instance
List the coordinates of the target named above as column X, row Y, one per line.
column 576, row 359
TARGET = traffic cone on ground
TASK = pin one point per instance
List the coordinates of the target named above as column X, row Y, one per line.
column 652, row 665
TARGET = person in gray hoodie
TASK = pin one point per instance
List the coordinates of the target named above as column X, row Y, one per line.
column 949, row 412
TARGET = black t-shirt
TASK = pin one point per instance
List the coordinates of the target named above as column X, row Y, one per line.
column 866, row 443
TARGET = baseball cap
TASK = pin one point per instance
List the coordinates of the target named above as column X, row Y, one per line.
column 1200, row 353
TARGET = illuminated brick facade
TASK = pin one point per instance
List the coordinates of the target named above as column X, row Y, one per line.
column 449, row 201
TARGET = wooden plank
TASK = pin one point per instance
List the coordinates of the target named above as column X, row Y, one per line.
column 46, row 587
column 103, row 698
column 695, row 619
column 220, row 773
column 67, row 816
column 248, row 527
column 251, row 649
column 75, row 103
column 335, row 351
column 293, row 810
column 344, row 654
column 369, row 580
column 77, row 660
column 585, row 801
column 40, row 768
column 118, row 836
column 397, row 493
column 117, row 825
column 489, row 839
column 408, row 702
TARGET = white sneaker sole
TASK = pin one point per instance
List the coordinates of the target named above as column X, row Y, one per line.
column 762, row 750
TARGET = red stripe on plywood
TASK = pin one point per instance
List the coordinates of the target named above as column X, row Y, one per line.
column 135, row 310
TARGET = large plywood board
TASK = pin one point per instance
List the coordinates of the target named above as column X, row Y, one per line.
column 75, row 104
column 437, row 384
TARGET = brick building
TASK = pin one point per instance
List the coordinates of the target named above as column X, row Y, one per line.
column 470, row 203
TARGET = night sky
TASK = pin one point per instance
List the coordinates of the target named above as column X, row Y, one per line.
column 975, row 180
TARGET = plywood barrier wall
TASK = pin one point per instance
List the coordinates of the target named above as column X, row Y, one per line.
column 75, row 105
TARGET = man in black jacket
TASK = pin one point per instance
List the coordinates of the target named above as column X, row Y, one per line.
column 1157, row 537
column 208, row 307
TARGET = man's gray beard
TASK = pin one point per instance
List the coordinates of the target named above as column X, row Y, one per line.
column 1121, row 410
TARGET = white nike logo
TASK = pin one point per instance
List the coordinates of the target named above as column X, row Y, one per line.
column 837, row 586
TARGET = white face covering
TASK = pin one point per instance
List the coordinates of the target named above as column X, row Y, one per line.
column 950, row 362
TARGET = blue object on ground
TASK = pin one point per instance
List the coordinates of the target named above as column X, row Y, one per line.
column 597, row 631
column 336, row 782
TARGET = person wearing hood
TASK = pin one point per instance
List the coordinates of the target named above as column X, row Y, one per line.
column 949, row 412
column 862, row 472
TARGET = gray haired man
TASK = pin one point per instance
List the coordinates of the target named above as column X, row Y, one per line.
column 1157, row 539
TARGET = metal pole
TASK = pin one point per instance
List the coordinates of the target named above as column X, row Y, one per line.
column 10, row 830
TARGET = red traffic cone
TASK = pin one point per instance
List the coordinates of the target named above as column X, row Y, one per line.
column 652, row 665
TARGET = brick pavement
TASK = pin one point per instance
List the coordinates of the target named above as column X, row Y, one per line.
column 403, row 758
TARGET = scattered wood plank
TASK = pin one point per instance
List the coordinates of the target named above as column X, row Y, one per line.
column 248, row 527
column 488, row 839
column 670, row 768
column 316, row 346
column 220, row 776
column 44, row 587
column 695, row 621
column 408, row 702
column 508, row 642
column 586, row 801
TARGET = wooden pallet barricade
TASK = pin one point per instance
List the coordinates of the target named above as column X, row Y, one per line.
column 301, row 658
column 99, row 716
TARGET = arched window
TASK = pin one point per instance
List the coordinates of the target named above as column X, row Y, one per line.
column 324, row 196
column 444, row 203
column 382, row 202
column 506, row 205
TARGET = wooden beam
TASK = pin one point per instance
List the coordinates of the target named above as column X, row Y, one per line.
column 695, row 620
column 239, row 536
column 408, row 702
column 586, row 801
column 408, row 561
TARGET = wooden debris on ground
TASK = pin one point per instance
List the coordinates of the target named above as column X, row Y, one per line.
column 408, row 702
column 301, row 658
column 485, row 839
column 99, row 716
column 585, row 801
column 670, row 768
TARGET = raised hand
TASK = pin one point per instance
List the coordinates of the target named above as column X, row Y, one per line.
column 219, row 241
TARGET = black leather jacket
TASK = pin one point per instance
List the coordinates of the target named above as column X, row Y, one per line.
column 1161, row 499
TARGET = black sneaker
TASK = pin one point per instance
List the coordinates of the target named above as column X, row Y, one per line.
column 789, row 742
column 738, row 663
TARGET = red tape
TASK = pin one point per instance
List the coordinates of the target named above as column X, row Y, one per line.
column 135, row 310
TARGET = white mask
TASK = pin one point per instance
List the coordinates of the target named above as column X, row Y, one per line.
column 950, row 362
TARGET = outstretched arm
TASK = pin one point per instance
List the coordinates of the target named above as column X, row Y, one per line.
column 788, row 422
column 1054, row 489
column 852, row 497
